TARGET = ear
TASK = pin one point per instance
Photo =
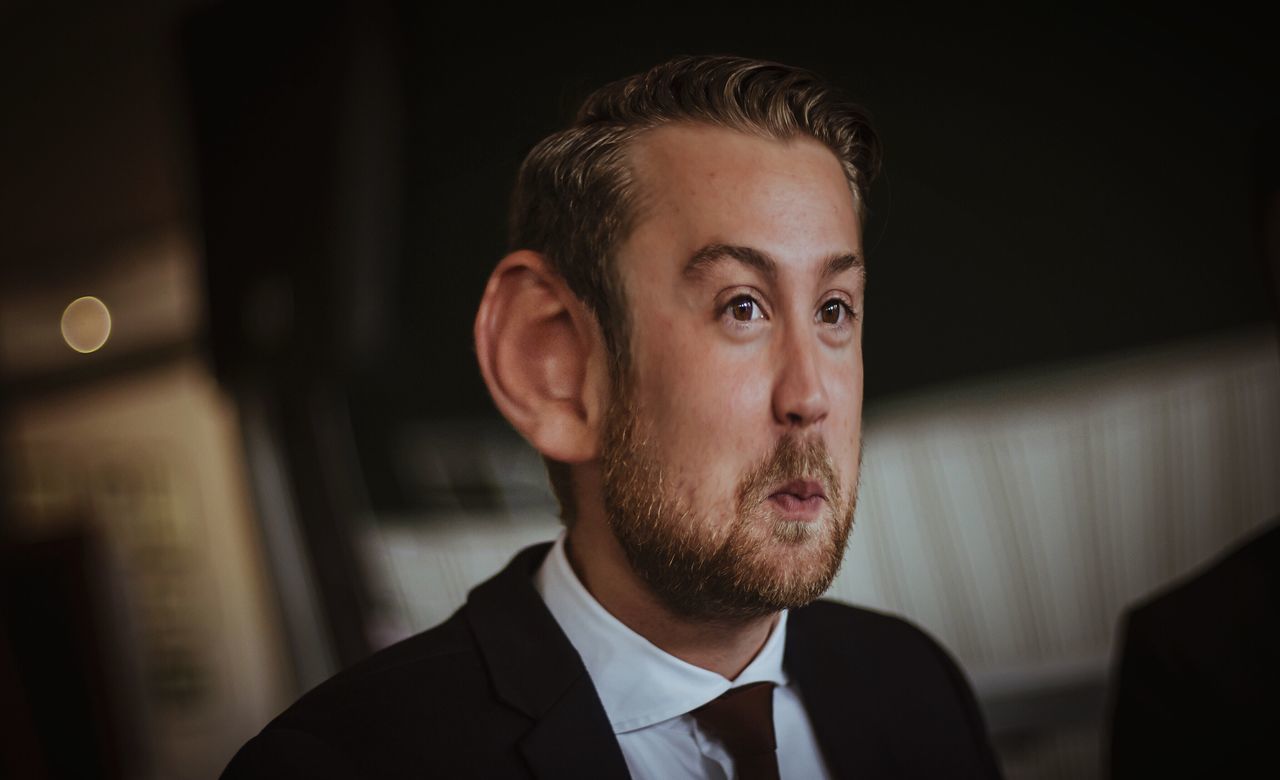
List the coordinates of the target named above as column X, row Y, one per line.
column 542, row 355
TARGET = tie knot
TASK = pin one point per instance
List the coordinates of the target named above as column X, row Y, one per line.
column 742, row 718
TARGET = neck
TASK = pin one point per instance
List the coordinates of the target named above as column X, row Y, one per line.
column 725, row 647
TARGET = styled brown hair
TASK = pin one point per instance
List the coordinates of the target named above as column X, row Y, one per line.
column 575, row 201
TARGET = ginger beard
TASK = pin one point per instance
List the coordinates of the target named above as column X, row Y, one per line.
column 762, row 564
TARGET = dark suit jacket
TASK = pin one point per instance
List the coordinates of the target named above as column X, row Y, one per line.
column 497, row 691
column 1198, row 680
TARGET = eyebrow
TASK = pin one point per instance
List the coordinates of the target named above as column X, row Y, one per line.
column 702, row 260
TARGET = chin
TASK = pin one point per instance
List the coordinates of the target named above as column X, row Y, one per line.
column 801, row 558
column 796, row 533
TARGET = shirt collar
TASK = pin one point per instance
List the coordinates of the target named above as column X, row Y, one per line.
column 639, row 684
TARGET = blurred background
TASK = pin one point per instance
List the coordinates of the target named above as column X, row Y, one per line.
column 243, row 439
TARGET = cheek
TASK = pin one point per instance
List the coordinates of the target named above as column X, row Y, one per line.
column 844, row 420
column 709, row 415
column 844, row 388
column 713, row 387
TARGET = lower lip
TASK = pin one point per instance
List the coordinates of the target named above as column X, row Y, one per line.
column 795, row 508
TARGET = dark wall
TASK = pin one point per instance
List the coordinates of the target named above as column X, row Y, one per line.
column 1057, row 184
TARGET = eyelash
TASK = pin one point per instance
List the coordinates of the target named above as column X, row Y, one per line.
column 849, row 314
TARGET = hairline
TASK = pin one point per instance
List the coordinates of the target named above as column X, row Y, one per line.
column 635, row 202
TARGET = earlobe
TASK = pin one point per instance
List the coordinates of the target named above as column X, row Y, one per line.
column 538, row 351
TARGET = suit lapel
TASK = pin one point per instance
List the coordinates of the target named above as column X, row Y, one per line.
column 847, row 730
column 564, row 743
column 536, row 670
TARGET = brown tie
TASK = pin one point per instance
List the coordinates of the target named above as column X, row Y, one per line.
column 742, row 719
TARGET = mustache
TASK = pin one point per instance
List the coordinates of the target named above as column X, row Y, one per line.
column 792, row 458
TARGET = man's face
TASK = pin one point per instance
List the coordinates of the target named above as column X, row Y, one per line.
column 732, row 447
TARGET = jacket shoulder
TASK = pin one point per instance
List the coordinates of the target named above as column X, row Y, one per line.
column 1228, row 590
column 905, row 658
column 425, row 702
column 889, row 691
column 870, row 632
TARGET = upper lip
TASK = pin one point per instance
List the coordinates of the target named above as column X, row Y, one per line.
column 801, row 488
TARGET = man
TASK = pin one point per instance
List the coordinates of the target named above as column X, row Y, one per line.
column 678, row 332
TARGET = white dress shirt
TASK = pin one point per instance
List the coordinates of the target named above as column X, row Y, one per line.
column 648, row 694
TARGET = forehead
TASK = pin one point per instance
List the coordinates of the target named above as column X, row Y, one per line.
column 700, row 183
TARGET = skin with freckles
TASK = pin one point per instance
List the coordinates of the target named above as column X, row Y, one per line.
column 731, row 448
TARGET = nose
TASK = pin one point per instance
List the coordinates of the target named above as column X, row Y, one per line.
column 799, row 395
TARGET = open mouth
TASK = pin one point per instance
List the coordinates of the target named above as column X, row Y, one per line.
column 801, row 488
column 799, row 498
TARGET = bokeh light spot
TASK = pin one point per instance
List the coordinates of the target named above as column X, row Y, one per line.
column 86, row 324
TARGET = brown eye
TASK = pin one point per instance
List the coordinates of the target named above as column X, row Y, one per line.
column 744, row 309
column 832, row 312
